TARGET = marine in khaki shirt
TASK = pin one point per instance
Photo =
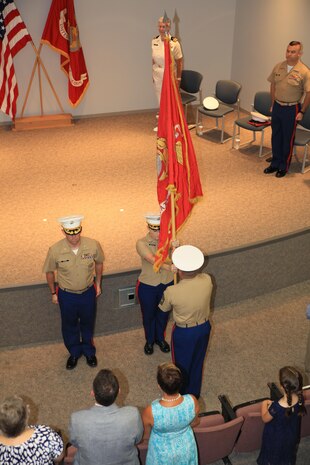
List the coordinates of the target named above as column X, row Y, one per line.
column 76, row 260
column 189, row 301
column 146, row 247
column 290, row 86
column 150, row 287
column 75, row 272
column 290, row 96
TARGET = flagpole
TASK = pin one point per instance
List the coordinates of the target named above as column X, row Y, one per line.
column 173, row 228
column 30, row 82
column 40, row 86
column 172, row 189
column 49, row 80
column 38, row 62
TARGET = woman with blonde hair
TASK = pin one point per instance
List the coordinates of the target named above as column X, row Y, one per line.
column 170, row 419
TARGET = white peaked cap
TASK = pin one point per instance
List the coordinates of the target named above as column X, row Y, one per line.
column 71, row 222
column 210, row 103
column 188, row 258
column 152, row 219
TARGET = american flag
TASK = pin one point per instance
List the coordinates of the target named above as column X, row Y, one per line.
column 13, row 37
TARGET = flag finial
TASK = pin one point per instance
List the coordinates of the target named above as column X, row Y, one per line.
column 166, row 21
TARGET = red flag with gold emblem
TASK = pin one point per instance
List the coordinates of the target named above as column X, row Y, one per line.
column 177, row 167
column 61, row 33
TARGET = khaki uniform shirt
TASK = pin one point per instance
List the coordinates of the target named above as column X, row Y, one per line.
column 145, row 247
column 189, row 299
column 74, row 272
column 290, row 86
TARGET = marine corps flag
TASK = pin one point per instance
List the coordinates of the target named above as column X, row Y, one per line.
column 62, row 34
column 178, row 185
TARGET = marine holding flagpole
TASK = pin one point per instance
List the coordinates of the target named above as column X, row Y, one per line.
column 150, row 287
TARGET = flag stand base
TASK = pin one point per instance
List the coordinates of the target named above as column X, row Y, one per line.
column 42, row 122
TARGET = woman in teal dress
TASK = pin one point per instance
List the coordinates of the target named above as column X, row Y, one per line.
column 170, row 419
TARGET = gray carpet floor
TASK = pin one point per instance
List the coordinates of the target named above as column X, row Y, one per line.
column 251, row 340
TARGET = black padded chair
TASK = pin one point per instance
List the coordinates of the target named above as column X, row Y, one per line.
column 227, row 93
column 190, row 84
column 302, row 139
column 262, row 104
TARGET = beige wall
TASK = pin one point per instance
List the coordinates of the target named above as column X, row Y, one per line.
column 263, row 28
column 116, row 39
column 223, row 39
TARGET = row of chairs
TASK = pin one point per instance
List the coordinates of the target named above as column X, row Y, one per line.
column 227, row 93
column 237, row 429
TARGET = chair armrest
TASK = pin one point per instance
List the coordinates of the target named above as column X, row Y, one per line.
column 227, row 409
column 211, row 412
column 275, row 393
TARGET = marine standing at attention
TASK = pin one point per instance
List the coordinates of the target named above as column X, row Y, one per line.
column 76, row 260
column 290, row 95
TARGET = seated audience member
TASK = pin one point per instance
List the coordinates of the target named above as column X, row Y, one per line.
column 282, row 430
column 22, row 444
column 170, row 419
column 106, row 433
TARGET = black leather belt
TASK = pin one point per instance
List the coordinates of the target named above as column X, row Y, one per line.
column 80, row 291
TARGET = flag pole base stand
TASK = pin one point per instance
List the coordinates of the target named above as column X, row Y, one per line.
column 42, row 122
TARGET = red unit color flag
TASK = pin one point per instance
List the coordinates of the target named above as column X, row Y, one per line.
column 61, row 33
column 177, row 167
column 13, row 38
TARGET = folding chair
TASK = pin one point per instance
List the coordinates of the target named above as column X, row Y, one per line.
column 227, row 93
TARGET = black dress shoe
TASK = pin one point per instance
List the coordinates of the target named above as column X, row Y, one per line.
column 71, row 363
column 280, row 173
column 92, row 361
column 148, row 349
column 270, row 169
column 163, row 345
